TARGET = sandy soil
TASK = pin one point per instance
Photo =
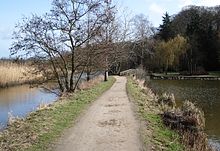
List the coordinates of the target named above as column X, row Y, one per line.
column 108, row 125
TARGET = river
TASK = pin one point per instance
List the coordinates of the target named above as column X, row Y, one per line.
column 206, row 95
column 21, row 100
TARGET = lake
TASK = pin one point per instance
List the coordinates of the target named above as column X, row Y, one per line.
column 21, row 100
column 206, row 95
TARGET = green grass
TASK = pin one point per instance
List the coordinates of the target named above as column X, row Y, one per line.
column 163, row 137
column 155, row 133
column 41, row 128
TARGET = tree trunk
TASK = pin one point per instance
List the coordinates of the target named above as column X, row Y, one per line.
column 72, row 70
column 166, row 67
column 106, row 76
column 56, row 74
column 88, row 76
column 77, row 82
column 119, row 68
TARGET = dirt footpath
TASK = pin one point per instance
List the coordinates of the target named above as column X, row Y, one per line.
column 108, row 125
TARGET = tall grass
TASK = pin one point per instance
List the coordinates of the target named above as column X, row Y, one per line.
column 13, row 74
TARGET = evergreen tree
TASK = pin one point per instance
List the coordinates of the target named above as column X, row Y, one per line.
column 165, row 30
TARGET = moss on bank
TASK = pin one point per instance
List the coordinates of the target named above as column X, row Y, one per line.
column 37, row 131
column 154, row 134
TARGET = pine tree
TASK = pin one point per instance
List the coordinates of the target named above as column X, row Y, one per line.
column 165, row 30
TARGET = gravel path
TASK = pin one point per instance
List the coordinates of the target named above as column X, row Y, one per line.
column 108, row 125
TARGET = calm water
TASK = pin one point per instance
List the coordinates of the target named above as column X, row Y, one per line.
column 206, row 94
column 21, row 100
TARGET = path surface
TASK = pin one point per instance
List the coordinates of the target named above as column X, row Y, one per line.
column 108, row 125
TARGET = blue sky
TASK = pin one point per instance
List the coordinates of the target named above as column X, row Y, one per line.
column 11, row 11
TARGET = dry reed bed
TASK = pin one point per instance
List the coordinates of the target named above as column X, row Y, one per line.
column 15, row 74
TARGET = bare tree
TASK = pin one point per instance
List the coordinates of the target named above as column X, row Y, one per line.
column 114, row 38
column 55, row 38
column 121, row 34
column 143, row 29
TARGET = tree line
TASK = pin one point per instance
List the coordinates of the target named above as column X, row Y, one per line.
column 83, row 36
column 200, row 28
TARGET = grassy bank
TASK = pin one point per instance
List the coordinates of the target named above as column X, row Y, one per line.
column 15, row 74
column 44, row 126
column 155, row 135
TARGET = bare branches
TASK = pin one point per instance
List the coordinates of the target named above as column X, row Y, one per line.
column 58, row 35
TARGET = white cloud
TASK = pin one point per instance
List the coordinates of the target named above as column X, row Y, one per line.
column 156, row 9
column 207, row 2
column 182, row 3
column 156, row 12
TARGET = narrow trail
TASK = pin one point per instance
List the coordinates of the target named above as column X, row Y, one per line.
column 108, row 125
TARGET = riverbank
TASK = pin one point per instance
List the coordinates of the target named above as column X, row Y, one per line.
column 154, row 134
column 204, row 93
column 186, row 122
column 41, row 128
column 157, row 76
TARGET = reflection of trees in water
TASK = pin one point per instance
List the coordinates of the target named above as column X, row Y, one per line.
column 17, row 94
column 21, row 100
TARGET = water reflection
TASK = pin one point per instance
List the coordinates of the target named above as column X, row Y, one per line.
column 21, row 100
column 206, row 94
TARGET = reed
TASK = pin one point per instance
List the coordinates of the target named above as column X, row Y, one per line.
column 15, row 74
column 189, row 122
